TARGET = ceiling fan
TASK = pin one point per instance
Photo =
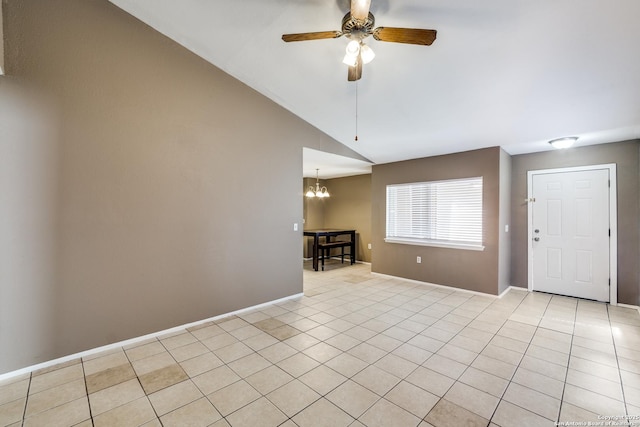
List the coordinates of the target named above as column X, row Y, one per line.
column 357, row 25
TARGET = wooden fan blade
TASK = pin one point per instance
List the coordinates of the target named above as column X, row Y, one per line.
column 311, row 36
column 405, row 35
column 355, row 72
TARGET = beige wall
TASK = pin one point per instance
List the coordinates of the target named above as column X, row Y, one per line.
column 313, row 207
column 626, row 156
column 349, row 207
column 313, row 213
column 154, row 215
column 473, row 270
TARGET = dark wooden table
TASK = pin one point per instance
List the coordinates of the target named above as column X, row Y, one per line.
column 328, row 234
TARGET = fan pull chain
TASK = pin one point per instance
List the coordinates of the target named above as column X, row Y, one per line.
column 356, row 111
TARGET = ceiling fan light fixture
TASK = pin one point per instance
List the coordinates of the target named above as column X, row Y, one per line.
column 565, row 142
column 350, row 60
column 366, row 53
column 357, row 25
column 353, row 48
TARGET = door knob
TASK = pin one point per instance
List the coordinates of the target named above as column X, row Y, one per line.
column 536, row 231
column 537, row 239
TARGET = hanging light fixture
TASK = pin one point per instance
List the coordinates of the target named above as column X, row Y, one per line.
column 317, row 192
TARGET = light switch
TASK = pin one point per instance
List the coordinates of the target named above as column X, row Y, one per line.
column 295, row 226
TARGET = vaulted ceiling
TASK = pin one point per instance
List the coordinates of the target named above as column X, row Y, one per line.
column 509, row 73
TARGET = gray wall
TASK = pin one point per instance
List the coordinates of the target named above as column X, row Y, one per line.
column 626, row 156
column 504, row 249
column 28, row 206
column 1, row 41
column 473, row 270
column 145, row 210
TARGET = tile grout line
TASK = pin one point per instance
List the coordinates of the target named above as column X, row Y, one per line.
column 566, row 374
column 86, row 390
column 26, row 401
column 518, row 366
column 615, row 351
column 138, row 377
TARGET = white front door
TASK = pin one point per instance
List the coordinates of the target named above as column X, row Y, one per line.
column 570, row 233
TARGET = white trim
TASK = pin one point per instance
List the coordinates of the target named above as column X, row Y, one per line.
column 434, row 243
column 419, row 282
column 613, row 223
column 510, row 288
column 135, row 340
column 635, row 307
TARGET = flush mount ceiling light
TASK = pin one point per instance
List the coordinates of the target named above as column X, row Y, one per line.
column 565, row 142
column 317, row 192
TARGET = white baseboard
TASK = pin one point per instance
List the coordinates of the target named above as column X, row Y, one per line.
column 419, row 282
column 514, row 288
column 135, row 340
column 635, row 307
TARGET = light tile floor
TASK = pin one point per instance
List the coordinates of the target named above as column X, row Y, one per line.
column 358, row 350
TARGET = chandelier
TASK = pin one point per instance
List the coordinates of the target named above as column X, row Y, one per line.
column 318, row 191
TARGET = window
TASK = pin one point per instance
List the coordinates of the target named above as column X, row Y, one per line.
column 438, row 213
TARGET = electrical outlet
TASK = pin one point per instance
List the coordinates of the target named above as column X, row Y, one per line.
column 369, row 246
column 419, row 259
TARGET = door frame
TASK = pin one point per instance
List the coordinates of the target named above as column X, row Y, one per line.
column 613, row 223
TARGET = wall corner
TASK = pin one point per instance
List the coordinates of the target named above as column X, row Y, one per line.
column 504, row 221
column 1, row 43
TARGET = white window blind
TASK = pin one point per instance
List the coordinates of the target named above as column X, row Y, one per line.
column 438, row 212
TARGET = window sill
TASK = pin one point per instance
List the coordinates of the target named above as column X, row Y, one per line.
column 434, row 243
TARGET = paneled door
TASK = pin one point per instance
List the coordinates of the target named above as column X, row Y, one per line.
column 570, row 233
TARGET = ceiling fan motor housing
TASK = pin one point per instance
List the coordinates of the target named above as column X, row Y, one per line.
column 357, row 29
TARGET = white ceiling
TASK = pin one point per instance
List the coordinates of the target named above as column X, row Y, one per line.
column 327, row 165
column 509, row 73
